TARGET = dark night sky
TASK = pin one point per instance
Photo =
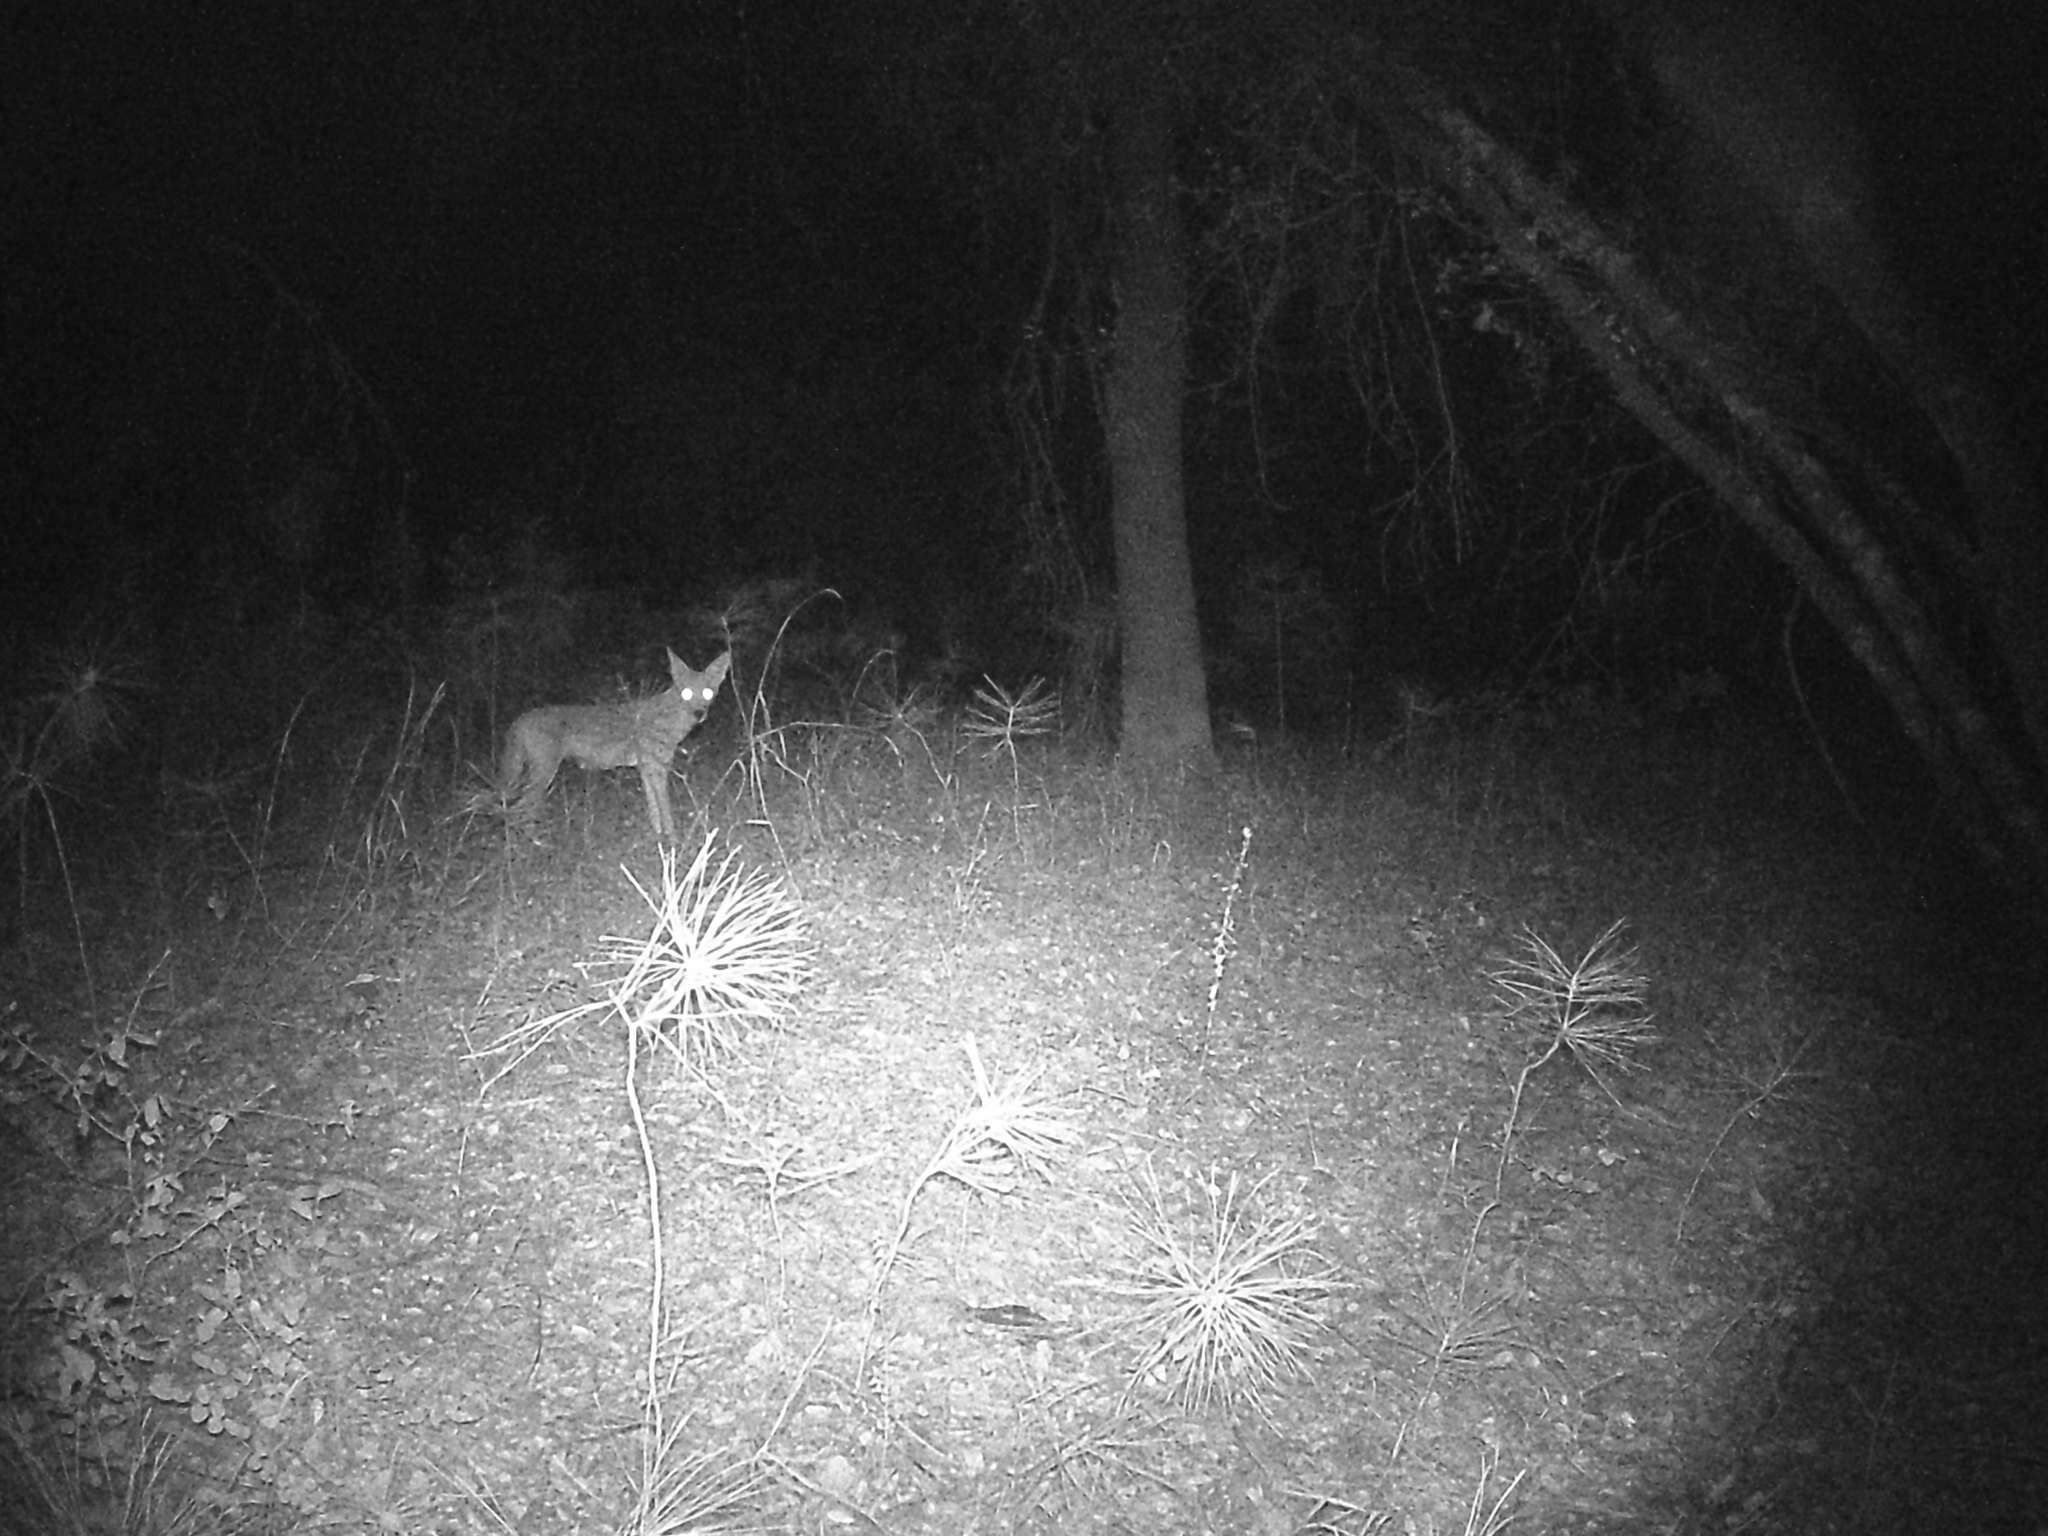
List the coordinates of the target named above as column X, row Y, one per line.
column 620, row 256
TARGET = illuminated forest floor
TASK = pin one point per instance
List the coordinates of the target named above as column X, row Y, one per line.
column 1112, row 1172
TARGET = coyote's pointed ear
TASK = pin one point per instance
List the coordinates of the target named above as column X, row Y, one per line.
column 710, row 677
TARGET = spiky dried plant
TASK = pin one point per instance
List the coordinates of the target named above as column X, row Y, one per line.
column 80, row 704
column 1592, row 1009
column 1227, row 1303
column 1453, row 1327
column 998, row 719
column 86, row 701
column 1007, row 1131
column 729, row 950
column 693, row 1493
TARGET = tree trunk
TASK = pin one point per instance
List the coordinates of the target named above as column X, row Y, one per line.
column 1753, row 81
column 1699, row 398
column 1165, row 692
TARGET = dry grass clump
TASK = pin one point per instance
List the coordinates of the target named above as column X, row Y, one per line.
column 1229, row 1301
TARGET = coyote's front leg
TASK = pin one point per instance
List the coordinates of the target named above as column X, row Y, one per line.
column 661, row 810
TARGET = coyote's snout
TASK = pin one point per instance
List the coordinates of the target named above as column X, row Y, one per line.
column 642, row 732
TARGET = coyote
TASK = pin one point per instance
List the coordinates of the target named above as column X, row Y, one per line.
column 643, row 732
